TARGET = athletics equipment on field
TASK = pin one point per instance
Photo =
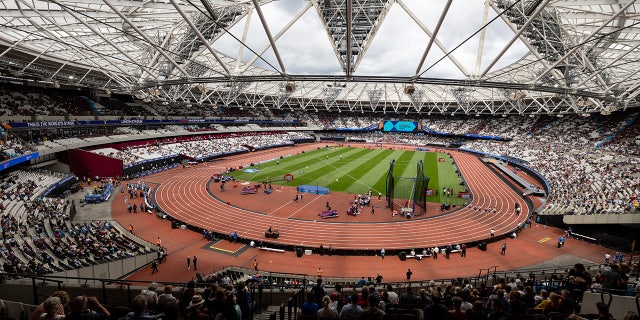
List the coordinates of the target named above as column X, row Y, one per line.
column 313, row 189
column 329, row 214
column 407, row 194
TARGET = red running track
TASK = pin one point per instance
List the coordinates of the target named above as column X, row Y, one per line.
column 184, row 196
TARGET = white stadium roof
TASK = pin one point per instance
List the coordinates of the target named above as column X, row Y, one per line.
column 397, row 56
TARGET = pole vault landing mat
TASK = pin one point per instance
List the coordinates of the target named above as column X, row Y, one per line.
column 313, row 189
column 226, row 247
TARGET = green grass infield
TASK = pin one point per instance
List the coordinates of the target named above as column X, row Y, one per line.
column 360, row 170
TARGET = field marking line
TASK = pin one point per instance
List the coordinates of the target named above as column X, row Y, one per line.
column 545, row 239
column 304, row 206
column 348, row 175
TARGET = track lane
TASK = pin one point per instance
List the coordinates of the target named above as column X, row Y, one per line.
column 184, row 196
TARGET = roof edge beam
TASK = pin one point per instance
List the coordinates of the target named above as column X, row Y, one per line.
column 485, row 16
column 349, row 52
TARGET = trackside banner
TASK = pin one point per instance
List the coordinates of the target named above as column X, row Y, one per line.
column 18, row 160
column 71, row 123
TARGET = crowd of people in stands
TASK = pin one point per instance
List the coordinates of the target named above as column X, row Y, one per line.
column 331, row 121
column 198, row 147
column 597, row 151
column 19, row 100
column 519, row 297
column 508, row 298
column 38, row 235
column 380, row 139
column 23, row 216
column 10, row 147
column 189, row 303
column 60, row 306
column 584, row 179
column 590, row 163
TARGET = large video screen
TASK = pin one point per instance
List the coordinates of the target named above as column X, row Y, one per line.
column 400, row 126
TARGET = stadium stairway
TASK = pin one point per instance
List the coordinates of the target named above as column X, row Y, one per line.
column 598, row 124
column 618, row 130
column 19, row 254
column 266, row 314
column 149, row 110
column 93, row 105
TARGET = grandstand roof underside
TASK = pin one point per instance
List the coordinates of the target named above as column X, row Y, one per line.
column 513, row 57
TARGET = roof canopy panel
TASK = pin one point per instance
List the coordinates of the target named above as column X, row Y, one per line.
column 498, row 56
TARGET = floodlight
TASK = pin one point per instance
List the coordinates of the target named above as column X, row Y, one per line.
column 409, row 89
column 290, row 87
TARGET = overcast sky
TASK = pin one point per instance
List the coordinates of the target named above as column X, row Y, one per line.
column 395, row 51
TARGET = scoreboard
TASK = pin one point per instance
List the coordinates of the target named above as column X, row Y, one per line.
column 400, row 126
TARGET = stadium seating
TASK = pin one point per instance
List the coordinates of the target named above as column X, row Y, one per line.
column 39, row 237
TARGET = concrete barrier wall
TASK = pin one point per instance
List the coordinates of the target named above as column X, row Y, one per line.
column 109, row 270
column 610, row 218
column 619, row 304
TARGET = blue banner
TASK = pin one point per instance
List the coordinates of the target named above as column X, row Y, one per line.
column 352, row 129
column 58, row 184
column 18, row 160
column 465, row 135
column 71, row 123
column 99, row 197
column 477, row 136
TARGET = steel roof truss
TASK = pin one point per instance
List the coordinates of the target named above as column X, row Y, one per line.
column 516, row 36
column 585, row 41
column 199, row 35
column 73, row 47
column 440, row 45
column 103, row 37
column 145, row 37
